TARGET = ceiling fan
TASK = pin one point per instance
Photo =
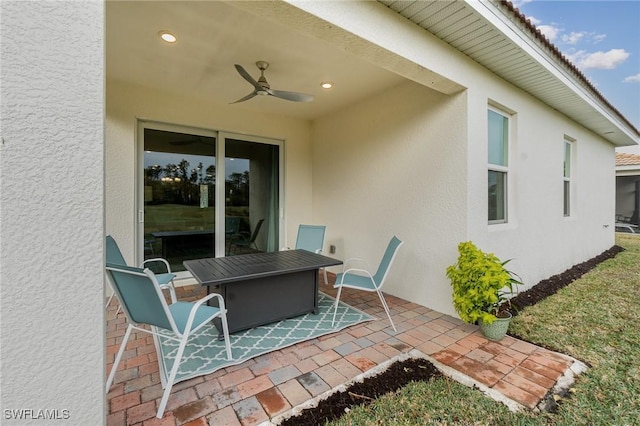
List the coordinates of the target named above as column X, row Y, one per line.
column 262, row 86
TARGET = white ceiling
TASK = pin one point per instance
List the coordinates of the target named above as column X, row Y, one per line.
column 215, row 35
column 212, row 37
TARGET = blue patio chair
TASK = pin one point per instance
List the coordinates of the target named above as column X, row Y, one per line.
column 144, row 304
column 311, row 238
column 231, row 225
column 114, row 256
column 362, row 279
column 245, row 239
column 231, row 228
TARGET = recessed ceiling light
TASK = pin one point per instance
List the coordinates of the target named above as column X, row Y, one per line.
column 168, row 37
column 326, row 85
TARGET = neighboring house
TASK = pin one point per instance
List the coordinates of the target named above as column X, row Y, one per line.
column 448, row 121
column 627, row 188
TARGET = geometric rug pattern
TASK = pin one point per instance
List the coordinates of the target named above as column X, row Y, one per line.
column 205, row 354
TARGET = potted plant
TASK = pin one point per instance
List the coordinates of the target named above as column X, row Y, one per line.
column 482, row 287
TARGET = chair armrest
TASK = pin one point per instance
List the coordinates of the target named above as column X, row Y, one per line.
column 157, row 259
column 366, row 274
column 196, row 306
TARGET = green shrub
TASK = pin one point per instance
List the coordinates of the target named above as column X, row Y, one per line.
column 481, row 284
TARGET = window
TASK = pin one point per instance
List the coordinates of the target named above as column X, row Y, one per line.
column 498, row 148
column 566, row 177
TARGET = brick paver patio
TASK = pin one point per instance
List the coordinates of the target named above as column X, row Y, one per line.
column 270, row 385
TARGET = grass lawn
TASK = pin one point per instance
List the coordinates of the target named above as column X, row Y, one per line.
column 595, row 319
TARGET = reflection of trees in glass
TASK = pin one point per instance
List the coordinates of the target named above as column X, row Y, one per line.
column 210, row 176
column 180, row 184
column 238, row 189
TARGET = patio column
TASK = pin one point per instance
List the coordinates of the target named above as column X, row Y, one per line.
column 636, row 202
column 52, row 212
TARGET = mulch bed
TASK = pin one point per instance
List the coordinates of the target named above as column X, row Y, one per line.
column 401, row 373
column 398, row 374
column 546, row 288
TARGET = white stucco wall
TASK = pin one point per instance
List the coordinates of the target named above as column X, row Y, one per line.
column 539, row 238
column 51, row 213
column 126, row 103
column 397, row 163
column 394, row 164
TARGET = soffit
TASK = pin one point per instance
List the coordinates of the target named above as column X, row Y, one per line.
column 497, row 38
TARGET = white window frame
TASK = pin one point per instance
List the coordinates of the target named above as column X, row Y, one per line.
column 506, row 169
column 567, row 199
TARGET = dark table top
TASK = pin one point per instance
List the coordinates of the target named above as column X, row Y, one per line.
column 161, row 234
column 256, row 265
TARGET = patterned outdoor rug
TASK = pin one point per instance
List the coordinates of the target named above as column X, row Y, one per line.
column 205, row 354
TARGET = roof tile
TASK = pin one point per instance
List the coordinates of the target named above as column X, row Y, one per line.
column 623, row 159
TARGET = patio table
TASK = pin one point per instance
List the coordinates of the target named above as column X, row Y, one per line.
column 261, row 288
column 176, row 242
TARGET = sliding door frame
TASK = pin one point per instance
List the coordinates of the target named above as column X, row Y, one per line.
column 221, row 138
column 220, row 189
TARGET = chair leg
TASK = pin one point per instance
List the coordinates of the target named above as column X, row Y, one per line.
column 335, row 309
column 225, row 332
column 324, row 273
column 386, row 308
column 110, row 299
column 109, row 302
column 114, row 367
column 172, row 376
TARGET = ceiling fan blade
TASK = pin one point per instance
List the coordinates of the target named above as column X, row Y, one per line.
column 291, row 96
column 246, row 98
column 247, row 77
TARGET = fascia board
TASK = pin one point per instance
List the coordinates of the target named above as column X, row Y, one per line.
column 515, row 34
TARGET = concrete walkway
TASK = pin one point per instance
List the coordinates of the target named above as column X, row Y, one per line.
column 270, row 387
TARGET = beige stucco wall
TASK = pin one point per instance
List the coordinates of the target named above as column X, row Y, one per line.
column 52, row 328
column 395, row 164
column 126, row 104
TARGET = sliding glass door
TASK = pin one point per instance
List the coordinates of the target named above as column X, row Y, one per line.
column 186, row 210
column 178, row 195
column 251, row 192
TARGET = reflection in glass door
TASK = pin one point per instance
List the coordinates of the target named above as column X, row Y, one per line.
column 179, row 196
column 184, row 215
column 251, row 192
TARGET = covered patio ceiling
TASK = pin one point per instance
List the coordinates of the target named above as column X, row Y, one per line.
column 215, row 35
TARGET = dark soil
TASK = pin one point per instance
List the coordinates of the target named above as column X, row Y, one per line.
column 395, row 377
column 401, row 373
column 546, row 288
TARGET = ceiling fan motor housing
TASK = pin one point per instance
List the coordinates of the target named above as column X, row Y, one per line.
column 262, row 87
